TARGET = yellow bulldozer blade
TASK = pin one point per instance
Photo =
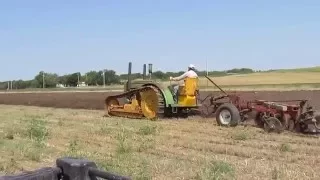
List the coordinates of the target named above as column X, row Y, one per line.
column 143, row 103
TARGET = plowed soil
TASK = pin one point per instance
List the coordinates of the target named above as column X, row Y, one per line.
column 95, row 100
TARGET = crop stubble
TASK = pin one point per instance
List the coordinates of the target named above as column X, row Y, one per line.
column 180, row 148
column 157, row 149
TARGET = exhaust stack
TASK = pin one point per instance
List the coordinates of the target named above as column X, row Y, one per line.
column 150, row 70
column 129, row 76
column 144, row 74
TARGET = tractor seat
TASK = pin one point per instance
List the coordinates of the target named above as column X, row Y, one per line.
column 189, row 88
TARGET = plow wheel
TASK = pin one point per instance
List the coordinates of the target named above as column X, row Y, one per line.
column 228, row 115
column 273, row 124
column 149, row 103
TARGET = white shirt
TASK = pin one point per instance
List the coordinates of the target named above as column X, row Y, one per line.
column 189, row 74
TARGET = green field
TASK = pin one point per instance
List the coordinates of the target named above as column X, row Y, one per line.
column 33, row 137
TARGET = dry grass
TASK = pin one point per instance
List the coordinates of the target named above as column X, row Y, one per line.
column 264, row 81
column 33, row 137
column 267, row 78
column 259, row 79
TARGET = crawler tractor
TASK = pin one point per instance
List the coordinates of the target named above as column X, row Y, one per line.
column 150, row 99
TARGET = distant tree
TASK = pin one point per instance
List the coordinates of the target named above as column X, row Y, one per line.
column 20, row 84
column 50, row 79
column 133, row 76
column 63, row 79
column 72, row 79
column 159, row 75
column 100, row 78
column 111, row 77
column 34, row 84
column 240, row 71
column 92, row 78
column 83, row 78
column 3, row 85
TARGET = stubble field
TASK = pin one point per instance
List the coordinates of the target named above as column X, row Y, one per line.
column 71, row 124
column 32, row 137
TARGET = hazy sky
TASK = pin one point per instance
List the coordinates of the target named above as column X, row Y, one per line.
column 81, row 35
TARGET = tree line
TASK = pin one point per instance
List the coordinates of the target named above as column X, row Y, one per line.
column 99, row 78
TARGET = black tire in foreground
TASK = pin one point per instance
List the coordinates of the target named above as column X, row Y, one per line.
column 228, row 115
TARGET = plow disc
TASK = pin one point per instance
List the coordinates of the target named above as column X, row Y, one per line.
column 142, row 103
column 273, row 124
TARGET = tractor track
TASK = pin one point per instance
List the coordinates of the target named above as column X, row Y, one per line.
column 96, row 100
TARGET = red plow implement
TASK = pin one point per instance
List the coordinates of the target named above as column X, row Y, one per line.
column 273, row 116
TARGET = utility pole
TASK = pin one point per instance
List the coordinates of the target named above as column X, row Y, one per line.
column 11, row 85
column 78, row 79
column 43, row 79
column 104, row 78
column 150, row 70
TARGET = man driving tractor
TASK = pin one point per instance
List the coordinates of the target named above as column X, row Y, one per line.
column 188, row 74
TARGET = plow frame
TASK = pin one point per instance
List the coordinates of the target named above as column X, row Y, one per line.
column 273, row 116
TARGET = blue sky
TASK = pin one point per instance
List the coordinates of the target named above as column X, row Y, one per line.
column 69, row 36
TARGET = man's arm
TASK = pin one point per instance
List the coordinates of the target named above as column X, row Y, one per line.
column 184, row 75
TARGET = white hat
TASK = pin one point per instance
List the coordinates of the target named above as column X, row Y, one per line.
column 191, row 66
